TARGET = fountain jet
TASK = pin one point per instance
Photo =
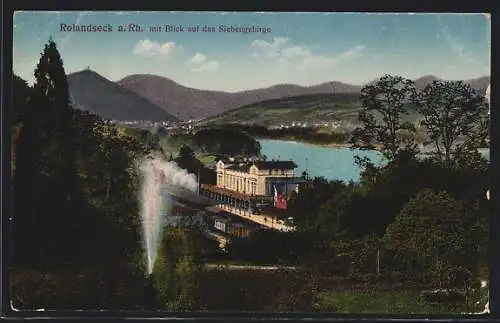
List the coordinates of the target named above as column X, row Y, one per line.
column 158, row 177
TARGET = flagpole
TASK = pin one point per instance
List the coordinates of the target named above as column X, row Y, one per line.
column 198, row 189
column 307, row 167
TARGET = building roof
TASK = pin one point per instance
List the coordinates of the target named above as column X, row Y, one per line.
column 276, row 164
column 242, row 167
column 213, row 209
column 238, row 195
column 222, row 219
column 289, row 180
column 224, row 164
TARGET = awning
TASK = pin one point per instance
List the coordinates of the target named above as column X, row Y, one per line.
column 238, row 195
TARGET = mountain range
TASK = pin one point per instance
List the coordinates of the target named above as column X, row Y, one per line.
column 153, row 97
column 93, row 92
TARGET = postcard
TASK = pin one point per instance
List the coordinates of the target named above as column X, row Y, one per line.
column 249, row 161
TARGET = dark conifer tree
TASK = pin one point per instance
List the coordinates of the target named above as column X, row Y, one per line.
column 47, row 177
column 25, row 181
column 21, row 91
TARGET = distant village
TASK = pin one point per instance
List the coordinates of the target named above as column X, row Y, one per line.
column 187, row 126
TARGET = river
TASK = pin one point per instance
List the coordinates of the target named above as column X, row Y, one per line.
column 331, row 163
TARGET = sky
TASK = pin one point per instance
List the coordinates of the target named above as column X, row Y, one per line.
column 294, row 48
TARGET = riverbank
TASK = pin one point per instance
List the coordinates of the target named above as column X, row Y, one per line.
column 313, row 143
column 344, row 145
column 293, row 139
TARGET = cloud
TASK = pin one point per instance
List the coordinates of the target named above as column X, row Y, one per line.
column 200, row 63
column 198, row 58
column 454, row 43
column 296, row 51
column 148, row 48
column 269, row 49
column 302, row 57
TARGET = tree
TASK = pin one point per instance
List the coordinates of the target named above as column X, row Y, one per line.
column 382, row 106
column 430, row 237
column 21, row 94
column 362, row 255
column 74, row 174
column 26, row 179
column 451, row 110
column 186, row 159
column 226, row 141
column 21, row 91
column 305, row 207
column 347, row 215
column 162, row 132
column 47, row 174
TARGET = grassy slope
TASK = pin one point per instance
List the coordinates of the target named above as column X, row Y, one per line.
column 226, row 290
column 394, row 302
column 308, row 108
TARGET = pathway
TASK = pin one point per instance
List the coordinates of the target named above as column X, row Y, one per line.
column 257, row 218
column 243, row 267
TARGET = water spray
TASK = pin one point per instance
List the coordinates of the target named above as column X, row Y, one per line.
column 157, row 178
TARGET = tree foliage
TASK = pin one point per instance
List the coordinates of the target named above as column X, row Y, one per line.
column 46, row 163
column 187, row 159
column 382, row 106
column 452, row 110
column 224, row 141
column 176, row 272
column 21, row 93
column 74, row 189
column 429, row 237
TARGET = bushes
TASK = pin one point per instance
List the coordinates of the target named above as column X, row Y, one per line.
column 176, row 272
column 84, row 289
column 432, row 228
column 257, row 290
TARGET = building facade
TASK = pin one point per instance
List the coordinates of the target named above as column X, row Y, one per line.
column 257, row 178
column 251, row 187
column 220, row 224
column 239, row 230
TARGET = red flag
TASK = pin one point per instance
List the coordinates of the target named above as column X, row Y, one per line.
column 281, row 202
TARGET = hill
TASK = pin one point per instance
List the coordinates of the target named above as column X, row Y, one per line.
column 312, row 108
column 189, row 103
column 479, row 84
column 93, row 92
